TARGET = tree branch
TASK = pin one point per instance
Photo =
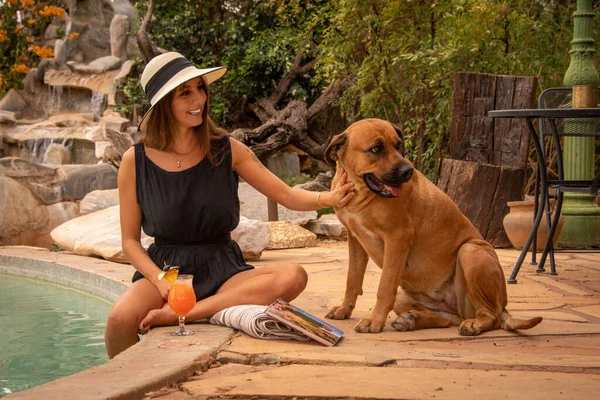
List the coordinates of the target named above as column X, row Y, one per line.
column 147, row 49
column 329, row 95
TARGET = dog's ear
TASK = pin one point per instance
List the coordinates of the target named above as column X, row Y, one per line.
column 335, row 148
column 400, row 136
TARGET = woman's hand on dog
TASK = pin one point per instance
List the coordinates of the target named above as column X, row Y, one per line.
column 341, row 191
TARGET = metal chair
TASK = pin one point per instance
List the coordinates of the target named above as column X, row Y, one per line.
column 560, row 97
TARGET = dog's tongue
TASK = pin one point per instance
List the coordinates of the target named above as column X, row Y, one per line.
column 394, row 189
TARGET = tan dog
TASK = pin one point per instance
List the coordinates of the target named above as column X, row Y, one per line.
column 447, row 273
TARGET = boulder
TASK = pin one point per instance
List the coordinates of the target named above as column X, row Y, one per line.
column 287, row 235
column 12, row 101
column 98, row 200
column 328, row 226
column 252, row 237
column 21, row 214
column 83, row 179
column 7, row 117
column 98, row 234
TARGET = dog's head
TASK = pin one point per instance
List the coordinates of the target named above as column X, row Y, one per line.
column 371, row 150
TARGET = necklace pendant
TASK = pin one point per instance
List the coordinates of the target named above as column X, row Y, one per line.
column 178, row 163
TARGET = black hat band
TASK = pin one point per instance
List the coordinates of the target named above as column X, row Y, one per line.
column 163, row 75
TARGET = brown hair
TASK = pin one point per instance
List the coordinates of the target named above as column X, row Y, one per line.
column 161, row 123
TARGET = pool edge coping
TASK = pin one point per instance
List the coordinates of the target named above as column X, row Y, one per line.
column 157, row 361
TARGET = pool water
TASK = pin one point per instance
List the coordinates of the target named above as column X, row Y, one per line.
column 47, row 332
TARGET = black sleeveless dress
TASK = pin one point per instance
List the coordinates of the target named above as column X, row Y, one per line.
column 191, row 214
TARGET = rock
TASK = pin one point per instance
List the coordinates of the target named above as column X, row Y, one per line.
column 328, row 226
column 115, row 122
column 119, row 142
column 312, row 186
column 61, row 51
column 252, row 237
column 72, row 120
column 98, row 66
column 57, row 154
column 12, row 101
column 325, row 178
column 7, row 117
column 96, row 39
column 98, row 200
column 287, row 235
column 119, row 27
column 99, row 234
column 284, row 164
column 83, row 179
column 58, row 214
column 253, row 205
column 21, row 215
column 15, row 167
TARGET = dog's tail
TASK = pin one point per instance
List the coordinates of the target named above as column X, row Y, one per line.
column 508, row 323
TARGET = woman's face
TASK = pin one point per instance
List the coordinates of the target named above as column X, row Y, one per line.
column 187, row 104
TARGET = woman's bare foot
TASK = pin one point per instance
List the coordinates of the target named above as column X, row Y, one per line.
column 159, row 317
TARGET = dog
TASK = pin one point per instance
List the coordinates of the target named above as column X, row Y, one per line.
column 447, row 274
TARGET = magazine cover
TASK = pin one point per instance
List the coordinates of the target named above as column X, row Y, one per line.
column 304, row 322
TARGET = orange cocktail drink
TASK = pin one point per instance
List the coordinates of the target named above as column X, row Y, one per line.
column 182, row 299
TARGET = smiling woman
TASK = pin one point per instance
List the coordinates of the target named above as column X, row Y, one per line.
column 180, row 184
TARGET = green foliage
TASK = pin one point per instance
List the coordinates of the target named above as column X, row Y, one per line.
column 323, row 211
column 21, row 22
column 296, row 180
column 130, row 92
column 401, row 54
column 405, row 53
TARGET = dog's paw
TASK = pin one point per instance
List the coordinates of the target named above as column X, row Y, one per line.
column 367, row 325
column 405, row 322
column 339, row 312
column 469, row 327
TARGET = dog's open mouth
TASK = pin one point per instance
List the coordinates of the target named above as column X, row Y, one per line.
column 380, row 188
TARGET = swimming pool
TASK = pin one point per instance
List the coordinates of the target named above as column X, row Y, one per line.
column 48, row 332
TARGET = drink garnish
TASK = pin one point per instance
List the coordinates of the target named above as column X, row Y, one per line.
column 169, row 272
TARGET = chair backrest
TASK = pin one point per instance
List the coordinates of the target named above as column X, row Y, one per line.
column 561, row 97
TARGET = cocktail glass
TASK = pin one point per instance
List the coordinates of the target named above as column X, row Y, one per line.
column 182, row 299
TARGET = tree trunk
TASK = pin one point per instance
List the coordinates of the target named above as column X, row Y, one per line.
column 476, row 137
column 147, row 49
column 481, row 191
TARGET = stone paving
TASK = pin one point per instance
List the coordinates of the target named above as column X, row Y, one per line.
column 558, row 359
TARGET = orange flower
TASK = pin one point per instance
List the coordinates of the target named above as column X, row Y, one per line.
column 11, row 1
column 19, row 29
column 42, row 52
column 20, row 69
column 73, row 35
column 1, row 82
column 49, row 11
column 3, row 36
column 29, row 39
column 27, row 3
column 31, row 21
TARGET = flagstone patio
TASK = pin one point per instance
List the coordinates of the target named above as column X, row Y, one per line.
column 558, row 359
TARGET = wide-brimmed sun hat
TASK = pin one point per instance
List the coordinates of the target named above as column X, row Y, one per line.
column 166, row 72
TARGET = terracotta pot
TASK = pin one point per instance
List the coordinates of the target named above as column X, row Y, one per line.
column 519, row 221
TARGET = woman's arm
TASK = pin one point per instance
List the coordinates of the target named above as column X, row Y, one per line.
column 247, row 165
column 131, row 225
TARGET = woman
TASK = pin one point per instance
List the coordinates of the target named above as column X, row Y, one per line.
column 180, row 185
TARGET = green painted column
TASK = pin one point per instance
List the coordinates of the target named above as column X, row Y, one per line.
column 581, row 214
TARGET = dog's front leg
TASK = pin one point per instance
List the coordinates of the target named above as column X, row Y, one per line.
column 357, row 265
column 394, row 260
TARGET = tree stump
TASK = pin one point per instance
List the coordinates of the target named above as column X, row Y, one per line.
column 481, row 191
column 476, row 137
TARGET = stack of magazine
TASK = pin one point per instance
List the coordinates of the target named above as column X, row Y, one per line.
column 280, row 320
